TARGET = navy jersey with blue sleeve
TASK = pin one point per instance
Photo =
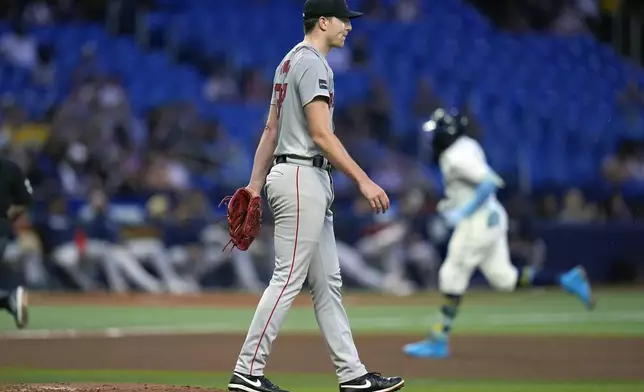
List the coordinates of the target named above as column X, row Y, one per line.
column 56, row 230
column 171, row 234
column 101, row 227
column 184, row 233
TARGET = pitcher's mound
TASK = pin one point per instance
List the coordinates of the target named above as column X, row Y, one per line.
column 101, row 387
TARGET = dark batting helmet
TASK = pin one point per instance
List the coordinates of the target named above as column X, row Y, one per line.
column 444, row 128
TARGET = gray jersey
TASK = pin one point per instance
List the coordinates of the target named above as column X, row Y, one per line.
column 302, row 75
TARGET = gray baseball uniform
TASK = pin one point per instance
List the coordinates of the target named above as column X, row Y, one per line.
column 300, row 196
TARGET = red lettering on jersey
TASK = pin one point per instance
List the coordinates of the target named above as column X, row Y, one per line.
column 286, row 67
column 280, row 89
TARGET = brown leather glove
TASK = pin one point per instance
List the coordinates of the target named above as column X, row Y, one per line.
column 244, row 218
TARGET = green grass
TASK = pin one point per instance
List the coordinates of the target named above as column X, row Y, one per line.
column 618, row 313
column 305, row 383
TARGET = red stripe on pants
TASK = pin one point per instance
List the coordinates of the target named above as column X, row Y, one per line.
column 290, row 272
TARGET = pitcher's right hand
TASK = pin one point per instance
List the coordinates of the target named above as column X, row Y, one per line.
column 376, row 195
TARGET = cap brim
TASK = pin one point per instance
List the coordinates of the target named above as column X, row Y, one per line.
column 350, row 15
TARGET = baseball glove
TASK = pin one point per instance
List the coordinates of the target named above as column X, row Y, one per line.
column 244, row 213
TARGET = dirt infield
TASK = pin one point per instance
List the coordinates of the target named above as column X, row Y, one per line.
column 101, row 387
column 474, row 357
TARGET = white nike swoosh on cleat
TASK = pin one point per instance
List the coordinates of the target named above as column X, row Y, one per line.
column 20, row 304
column 367, row 384
column 255, row 383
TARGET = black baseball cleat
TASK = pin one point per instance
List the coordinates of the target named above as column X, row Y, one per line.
column 373, row 382
column 247, row 383
column 18, row 307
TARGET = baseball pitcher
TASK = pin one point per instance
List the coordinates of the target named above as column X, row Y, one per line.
column 299, row 140
column 480, row 224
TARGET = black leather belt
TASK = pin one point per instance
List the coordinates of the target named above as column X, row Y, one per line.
column 317, row 161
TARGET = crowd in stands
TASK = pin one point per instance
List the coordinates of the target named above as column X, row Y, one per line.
column 89, row 136
column 90, row 140
column 95, row 139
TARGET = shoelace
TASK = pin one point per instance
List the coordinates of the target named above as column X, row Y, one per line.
column 376, row 375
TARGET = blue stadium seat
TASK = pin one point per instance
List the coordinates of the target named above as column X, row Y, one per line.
column 531, row 92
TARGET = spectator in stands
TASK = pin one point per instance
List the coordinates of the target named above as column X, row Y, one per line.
column 354, row 265
column 421, row 243
column 106, row 247
column 168, row 124
column 200, row 148
column 569, row 21
column 576, row 209
column 145, row 243
column 74, row 114
column 548, row 207
column 182, row 236
column 74, row 169
column 19, row 48
column 213, row 238
column 209, row 151
column 38, row 13
column 133, row 181
column 112, row 108
column 589, row 10
column 44, row 73
column 166, row 172
column 221, row 86
column 96, row 138
column 12, row 119
column 62, row 240
column 627, row 164
column 66, row 166
column 382, row 241
column 617, row 209
column 406, row 10
column 87, row 68
column 375, row 9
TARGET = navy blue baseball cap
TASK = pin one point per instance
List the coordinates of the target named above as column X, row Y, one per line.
column 328, row 8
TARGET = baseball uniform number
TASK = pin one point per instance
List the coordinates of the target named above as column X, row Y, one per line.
column 280, row 89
